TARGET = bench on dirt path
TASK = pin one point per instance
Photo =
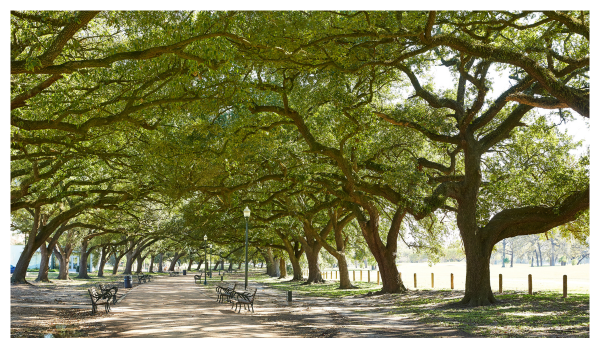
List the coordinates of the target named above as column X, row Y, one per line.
column 100, row 298
column 225, row 291
column 173, row 273
column 198, row 278
column 143, row 278
column 245, row 298
column 109, row 288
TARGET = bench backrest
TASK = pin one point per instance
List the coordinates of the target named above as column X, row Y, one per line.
column 252, row 291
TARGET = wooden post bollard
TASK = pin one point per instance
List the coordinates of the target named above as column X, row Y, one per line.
column 500, row 283
column 415, row 280
column 530, row 285
column 564, row 286
column 432, row 280
column 353, row 275
column 368, row 276
column 452, row 281
column 289, row 295
column 361, row 275
column 378, row 277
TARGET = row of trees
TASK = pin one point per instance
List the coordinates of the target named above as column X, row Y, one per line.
column 164, row 125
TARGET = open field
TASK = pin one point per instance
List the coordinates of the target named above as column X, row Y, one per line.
column 545, row 278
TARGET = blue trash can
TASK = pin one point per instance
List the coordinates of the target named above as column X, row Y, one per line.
column 127, row 282
column 184, row 272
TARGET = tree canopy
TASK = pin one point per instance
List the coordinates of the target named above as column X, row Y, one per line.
column 331, row 126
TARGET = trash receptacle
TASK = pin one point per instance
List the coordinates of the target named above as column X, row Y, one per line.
column 184, row 272
column 127, row 282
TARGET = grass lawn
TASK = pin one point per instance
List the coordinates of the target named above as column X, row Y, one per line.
column 516, row 314
column 328, row 289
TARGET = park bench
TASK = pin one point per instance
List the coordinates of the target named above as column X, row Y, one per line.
column 109, row 288
column 245, row 298
column 198, row 278
column 173, row 273
column 100, row 298
column 143, row 278
column 225, row 291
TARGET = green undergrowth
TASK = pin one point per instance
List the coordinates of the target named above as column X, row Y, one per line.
column 515, row 315
column 328, row 289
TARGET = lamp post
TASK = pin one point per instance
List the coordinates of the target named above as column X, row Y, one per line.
column 210, row 260
column 205, row 238
column 246, row 216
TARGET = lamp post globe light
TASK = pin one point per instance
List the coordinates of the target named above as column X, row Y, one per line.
column 246, row 216
column 205, row 238
column 210, row 260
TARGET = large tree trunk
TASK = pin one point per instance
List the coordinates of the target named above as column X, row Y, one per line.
column 63, row 256
column 83, row 258
column 200, row 264
column 312, row 256
column 20, row 271
column 294, row 252
column 151, row 268
column 190, row 264
column 117, row 262
column 478, row 289
column 270, row 262
column 174, row 260
column 339, row 252
column 160, row 262
column 478, row 250
column 282, row 270
column 240, row 265
column 103, row 259
column 276, row 272
column 384, row 254
column 216, row 267
column 140, row 263
column 128, row 263
column 44, row 266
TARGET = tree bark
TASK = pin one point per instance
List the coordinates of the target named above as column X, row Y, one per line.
column 83, row 258
column 20, row 271
column 160, row 262
column 478, row 289
column 63, row 256
column 276, row 265
column 268, row 255
column 282, row 269
column 44, row 266
column 190, row 263
column 384, row 254
column 140, row 263
column 540, row 253
column 200, row 264
column 294, row 252
column 174, row 260
column 312, row 256
column 128, row 263
column 103, row 259
column 151, row 268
